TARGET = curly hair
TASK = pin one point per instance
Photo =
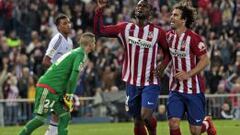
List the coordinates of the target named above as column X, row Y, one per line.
column 188, row 13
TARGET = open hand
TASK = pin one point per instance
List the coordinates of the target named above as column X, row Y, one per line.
column 182, row 75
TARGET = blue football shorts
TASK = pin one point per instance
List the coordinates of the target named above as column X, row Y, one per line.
column 141, row 96
column 191, row 104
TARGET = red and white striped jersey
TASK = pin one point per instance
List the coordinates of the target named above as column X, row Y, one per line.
column 185, row 50
column 141, row 45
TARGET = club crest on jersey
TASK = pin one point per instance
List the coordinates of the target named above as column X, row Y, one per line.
column 183, row 44
column 201, row 46
column 139, row 42
column 150, row 35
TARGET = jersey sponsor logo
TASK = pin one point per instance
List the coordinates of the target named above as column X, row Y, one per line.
column 177, row 53
column 140, row 42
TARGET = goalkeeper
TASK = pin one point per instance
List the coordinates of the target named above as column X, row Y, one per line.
column 56, row 87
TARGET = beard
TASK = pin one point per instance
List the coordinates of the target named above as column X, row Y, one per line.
column 141, row 16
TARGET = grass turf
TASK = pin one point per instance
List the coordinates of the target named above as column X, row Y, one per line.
column 224, row 127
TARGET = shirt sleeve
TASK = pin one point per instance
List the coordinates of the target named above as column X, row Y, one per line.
column 53, row 45
column 197, row 46
column 78, row 65
column 109, row 30
column 162, row 41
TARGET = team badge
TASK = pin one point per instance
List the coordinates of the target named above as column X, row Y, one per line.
column 183, row 45
column 201, row 46
column 150, row 35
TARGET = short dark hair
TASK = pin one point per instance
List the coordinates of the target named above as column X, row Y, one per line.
column 60, row 17
column 188, row 13
column 150, row 8
column 149, row 4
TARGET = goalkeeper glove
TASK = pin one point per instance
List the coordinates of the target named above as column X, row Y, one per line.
column 68, row 100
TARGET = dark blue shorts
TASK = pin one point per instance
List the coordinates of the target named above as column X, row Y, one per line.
column 138, row 97
column 193, row 105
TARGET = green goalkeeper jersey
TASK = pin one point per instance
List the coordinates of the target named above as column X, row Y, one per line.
column 61, row 77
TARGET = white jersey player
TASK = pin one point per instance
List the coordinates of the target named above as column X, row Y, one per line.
column 59, row 45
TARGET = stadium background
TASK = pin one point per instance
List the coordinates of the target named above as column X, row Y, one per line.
column 26, row 27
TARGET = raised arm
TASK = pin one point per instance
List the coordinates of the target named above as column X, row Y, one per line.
column 99, row 28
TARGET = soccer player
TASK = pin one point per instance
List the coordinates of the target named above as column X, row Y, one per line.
column 141, row 42
column 59, row 45
column 56, row 87
column 189, row 58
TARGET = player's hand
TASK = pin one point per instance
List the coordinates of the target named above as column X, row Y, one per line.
column 159, row 71
column 182, row 75
column 102, row 3
column 68, row 100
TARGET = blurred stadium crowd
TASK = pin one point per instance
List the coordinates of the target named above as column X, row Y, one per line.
column 26, row 27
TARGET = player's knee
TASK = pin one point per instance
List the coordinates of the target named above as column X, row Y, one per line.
column 146, row 115
column 195, row 130
column 138, row 122
column 195, row 133
column 174, row 123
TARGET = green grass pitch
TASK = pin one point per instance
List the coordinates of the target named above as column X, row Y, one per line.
column 224, row 127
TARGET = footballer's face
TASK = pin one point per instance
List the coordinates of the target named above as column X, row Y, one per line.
column 176, row 20
column 91, row 46
column 65, row 26
column 142, row 10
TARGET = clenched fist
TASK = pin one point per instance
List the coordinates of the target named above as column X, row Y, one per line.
column 102, row 3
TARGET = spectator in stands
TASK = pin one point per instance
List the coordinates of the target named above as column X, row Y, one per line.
column 12, row 93
column 13, row 40
column 235, row 100
column 161, row 114
column 23, row 86
column 31, row 94
column 213, row 78
column 226, row 112
column 227, row 7
column 3, row 78
column 34, row 15
column 24, row 82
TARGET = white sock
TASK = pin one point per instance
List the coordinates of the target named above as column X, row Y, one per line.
column 206, row 124
column 52, row 128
